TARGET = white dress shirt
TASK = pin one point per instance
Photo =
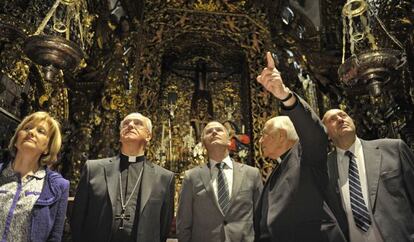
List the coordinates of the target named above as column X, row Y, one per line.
column 228, row 172
column 343, row 166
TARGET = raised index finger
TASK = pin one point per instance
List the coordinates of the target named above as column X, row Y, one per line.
column 270, row 61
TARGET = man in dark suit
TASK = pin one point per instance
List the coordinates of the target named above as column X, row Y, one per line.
column 126, row 197
column 218, row 198
column 372, row 183
column 291, row 207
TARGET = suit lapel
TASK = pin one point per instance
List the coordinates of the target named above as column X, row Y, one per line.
column 206, row 178
column 334, row 197
column 334, row 174
column 238, row 174
column 372, row 160
column 146, row 184
column 333, row 166
column 112, row 179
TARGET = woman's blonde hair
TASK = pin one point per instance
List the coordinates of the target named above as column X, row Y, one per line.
column 55, row 137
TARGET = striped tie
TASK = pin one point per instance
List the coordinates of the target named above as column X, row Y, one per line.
column 358, row 206
column 222, row 188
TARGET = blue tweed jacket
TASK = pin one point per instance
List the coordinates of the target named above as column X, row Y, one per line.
column 48, row 214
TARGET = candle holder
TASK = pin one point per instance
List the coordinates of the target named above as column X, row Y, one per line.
column 229, row 108
column 172, row 106
column 370, row 71
column 53, row 52
column 370, row 67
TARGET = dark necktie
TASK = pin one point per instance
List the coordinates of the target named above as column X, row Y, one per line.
column 358, row 206
column 222, row 188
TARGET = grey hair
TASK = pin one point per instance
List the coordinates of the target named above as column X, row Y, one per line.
column 284, row 122
column 147, row 121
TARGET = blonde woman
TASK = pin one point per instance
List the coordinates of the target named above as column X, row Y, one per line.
column 33, row 198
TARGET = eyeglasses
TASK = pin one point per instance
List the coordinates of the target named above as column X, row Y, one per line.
column 138, row 123
column 264, row 133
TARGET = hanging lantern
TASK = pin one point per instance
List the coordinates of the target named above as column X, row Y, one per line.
column 369, row 68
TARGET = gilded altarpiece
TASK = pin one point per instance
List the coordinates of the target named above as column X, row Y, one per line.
column 216, row 27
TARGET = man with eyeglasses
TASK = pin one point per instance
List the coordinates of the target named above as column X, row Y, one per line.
column 292, row 206
column 126, row 197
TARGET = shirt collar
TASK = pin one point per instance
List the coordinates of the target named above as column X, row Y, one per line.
column 353, row 147
column 39, row 174
column 226, row 160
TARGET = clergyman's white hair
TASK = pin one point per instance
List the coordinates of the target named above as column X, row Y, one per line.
column 284, row 122
column 147, row 121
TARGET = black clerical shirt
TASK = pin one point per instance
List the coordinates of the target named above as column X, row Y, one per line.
column 130, row 172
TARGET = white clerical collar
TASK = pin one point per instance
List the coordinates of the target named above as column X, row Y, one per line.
column 132, row 158
column 279, row 160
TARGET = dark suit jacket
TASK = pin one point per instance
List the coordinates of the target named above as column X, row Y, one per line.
column 96, row 196
column 389, row 165
column 199, row 217
column 295, row 199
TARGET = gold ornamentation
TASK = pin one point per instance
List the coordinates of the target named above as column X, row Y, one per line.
column 209, row 5
column 44, row 98
column 18, row 71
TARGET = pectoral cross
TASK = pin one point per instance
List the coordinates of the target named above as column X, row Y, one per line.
column 122, row 217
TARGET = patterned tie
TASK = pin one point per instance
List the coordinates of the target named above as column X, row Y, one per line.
column 222, row 188
column 358, row 206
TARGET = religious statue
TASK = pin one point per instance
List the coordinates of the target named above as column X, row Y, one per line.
column 200, row 117
column 201, row 103
column 175, row 156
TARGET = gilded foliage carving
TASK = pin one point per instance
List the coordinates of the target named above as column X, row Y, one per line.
column 247, row 33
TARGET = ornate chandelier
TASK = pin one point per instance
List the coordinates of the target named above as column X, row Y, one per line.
column 370, row 67
column 59, row 40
